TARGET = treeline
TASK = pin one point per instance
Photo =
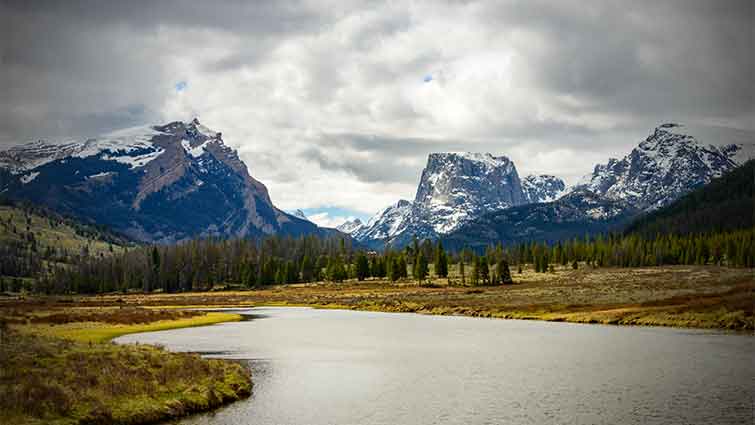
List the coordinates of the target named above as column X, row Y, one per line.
column 24, row 251
column 733, row 249
column 208, row 264
column 725, row 204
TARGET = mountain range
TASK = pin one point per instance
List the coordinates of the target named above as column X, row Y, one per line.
column 172, row 182
column 475, row 199
column 163, row 184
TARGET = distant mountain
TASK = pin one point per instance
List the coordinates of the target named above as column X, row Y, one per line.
column 574, row 215
column 543, row 188
column 388, row 223
column 454, row 188
column 667, row 164
column 467, row 192
column 724, row 204
column 163, row 183
column 300, row 214
column 350, row 226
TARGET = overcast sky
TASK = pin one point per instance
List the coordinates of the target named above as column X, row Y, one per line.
column 334, row 105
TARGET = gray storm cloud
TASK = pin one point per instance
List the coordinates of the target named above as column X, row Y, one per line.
column 337, row 90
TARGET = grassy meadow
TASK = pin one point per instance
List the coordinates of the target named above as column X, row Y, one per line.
column 16, row 225
column 57, row 366
column 682, row 296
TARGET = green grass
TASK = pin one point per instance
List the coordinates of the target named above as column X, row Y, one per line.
column 16, row 224
column 56, row 367
column 46, row 380
column 102, row 332
column 682, row 296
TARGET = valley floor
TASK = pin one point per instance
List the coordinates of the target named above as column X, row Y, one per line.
column 76, row 376
column 57, row 367
column 683, row 296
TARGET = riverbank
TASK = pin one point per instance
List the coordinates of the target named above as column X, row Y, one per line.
column 58, row 367
column 681, row 296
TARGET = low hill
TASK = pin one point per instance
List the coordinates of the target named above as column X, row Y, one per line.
column 33, row 239
column 574, row 215
column 724, row 204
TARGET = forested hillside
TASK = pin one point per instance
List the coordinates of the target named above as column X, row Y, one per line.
column 34, row 240
column 725, row 204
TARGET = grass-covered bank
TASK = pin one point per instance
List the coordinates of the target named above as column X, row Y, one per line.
column 57, row 367
column 682, row 296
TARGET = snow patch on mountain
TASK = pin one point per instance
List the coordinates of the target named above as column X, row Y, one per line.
column 667, row 164
column 350, row 226
column 28, row 178
column 455, row 187
column 387, row 223
column 132, row 146
column 543, row 188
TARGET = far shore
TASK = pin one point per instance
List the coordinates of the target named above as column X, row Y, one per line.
column 708, row 297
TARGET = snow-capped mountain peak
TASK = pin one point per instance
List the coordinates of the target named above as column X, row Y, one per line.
column 668, row 163
column 300, row 214
column 154, row 183
column 543, row 188
column 132, row 146
column 457, row 186
column 351, row 226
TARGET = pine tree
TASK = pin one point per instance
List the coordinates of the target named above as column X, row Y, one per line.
column 484, row 271
column 461, row 269
column 441, row 261
column 420, row 267
column 155, row 270
column 504, row 274
column 475, row 278
column 395, row 269
column 362, row 266
column 402, row 266
column 307, row 269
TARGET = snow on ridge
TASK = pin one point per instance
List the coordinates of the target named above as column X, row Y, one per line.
column 29, row 177
column 102, row 174
column 196, row 151
column 485, row 158
column 28, row 156
column 135, row 161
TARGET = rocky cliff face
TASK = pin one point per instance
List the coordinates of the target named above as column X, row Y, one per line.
column 162, row 183
column 351, row 226
column 458, row 186
column 542, row 188
column 667, row 164
column 454, row 188
column 470, row 192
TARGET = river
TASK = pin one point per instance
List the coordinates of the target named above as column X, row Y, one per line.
column 347, row 367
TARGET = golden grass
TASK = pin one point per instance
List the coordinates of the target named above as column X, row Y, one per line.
column 46, row 380
column 56, row 366
column 102, row 332
column 685, row 296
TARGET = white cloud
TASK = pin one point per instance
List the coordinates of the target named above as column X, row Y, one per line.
column 324, row 219
column 556, row 86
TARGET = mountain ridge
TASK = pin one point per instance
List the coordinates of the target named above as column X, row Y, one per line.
column 665, row 165
column 162, row 183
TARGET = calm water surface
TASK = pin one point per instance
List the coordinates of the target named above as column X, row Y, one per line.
column 346, row 367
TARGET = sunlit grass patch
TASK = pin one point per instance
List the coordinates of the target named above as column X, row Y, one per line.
column 59, row 381
column 101, row 331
